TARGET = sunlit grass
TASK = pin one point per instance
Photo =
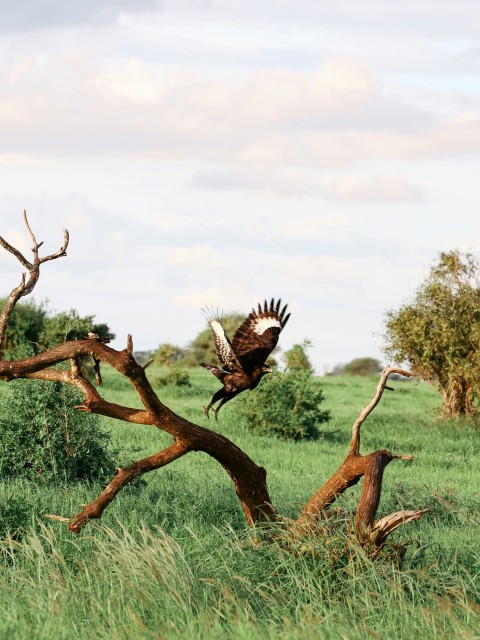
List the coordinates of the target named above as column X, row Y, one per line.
column 172, row 558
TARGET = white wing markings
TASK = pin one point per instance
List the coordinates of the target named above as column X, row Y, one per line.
column 227, row 354
column 218, row 329
column 262, row 324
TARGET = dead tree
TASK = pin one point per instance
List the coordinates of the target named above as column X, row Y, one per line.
column 249, row 479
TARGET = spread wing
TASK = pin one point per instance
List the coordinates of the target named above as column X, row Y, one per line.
column 223, row 346
column 257, row 336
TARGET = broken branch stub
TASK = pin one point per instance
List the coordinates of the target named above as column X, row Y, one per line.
column 370, row 467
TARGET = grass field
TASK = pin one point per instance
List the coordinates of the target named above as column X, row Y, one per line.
column 172, row 557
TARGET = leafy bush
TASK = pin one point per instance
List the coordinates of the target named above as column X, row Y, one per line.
column 297, row 358
column 25, row 325
column 68, row 325
column 363, row 367
column 43, row 437
column 168, row 354
column 176, row 377
column 285, row 404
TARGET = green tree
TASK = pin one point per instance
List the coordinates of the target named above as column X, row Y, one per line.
column 32, row 326
column 68, row 325
column 175, row 377
column 25, row 326
column 438, row 332
column 169, row 354
column 297, row 357
column 362, row 367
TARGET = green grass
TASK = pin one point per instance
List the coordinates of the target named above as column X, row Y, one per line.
column 172, row 557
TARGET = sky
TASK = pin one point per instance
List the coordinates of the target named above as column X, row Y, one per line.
column 217, row 152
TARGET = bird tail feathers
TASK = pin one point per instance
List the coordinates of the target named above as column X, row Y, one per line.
column 217, row 372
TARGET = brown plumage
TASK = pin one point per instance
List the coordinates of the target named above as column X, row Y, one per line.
column 243, row 359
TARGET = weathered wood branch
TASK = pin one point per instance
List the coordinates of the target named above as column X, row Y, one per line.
column 366, row 411
column 26, row 286
column 248, row 478
column 354, row 465
column 386, row 525
column 370, row 494
column 371, row 467
column 7, row 311
column 122, row 478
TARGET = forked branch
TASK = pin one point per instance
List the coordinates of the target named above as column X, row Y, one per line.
column 371, row 468
column 26, row 286
column 248, row 478
column 122, row 478
column 366, row 411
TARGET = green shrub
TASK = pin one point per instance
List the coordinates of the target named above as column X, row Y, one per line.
column 297, row 357
column 43, row 437
column 168, row 354
column 176, row 377
column 363, row 367
column 285, row 404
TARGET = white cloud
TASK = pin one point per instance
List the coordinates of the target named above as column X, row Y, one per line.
column 119, row 244
column 165, row 222
column 18, row 239
column 15, row 159
column 29, row 15
column 388, row 188
column 72, row 104
column 260, row 178
column 338, row 86
column 135, row 82
column 195, row 257
column 325, row 269
column 330, row 226
column 340, row 149
column 195, row 298
column 225, row 129
column 230, row 298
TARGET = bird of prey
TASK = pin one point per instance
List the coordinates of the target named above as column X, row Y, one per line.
column 243, row 359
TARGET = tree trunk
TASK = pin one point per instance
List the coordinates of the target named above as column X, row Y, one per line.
column 457, row 399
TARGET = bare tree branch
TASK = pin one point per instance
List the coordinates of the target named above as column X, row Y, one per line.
column 123, row 477
column 248, row 478
column 384, row 526
column 354, row 465
column 25, row 287
column 15, row 252
column 370, row 494
column 355, row 445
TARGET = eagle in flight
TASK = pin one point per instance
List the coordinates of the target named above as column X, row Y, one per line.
column 243, row 359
